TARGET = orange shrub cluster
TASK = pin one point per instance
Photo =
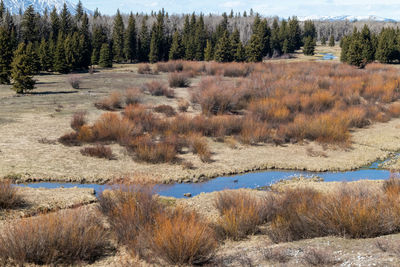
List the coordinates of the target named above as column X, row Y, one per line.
column 9, row 197
column 270, row 103
column 350, row 212
column 152, row 231
column 66, row 238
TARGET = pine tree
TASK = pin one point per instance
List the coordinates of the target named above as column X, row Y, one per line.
column 234, row 40
column 99, row 38
column 157, row 43
column 240, row 54
column 144, row 42
column 33, row 57
column 190, row 48
column 60, row 63
column 223, row 51
column 331, row 41
column 79, row 11
column 66, row 20
column 200, row 36
column 354, row 53
column 105, row 60
column 45, row 56
column 85, row 43
column 153, row 54
column 254, row 49
column 130, row 47
column 309, row 29
column 21, row 72
column 323, row 40
column 368, row 51
column 29, row 25
column 387, row 50
column 55, row 23
column 177, row 49
column 276, row 44
column 2, row 9
column 208, row 51
column 309, row 46
column 5, row 56
column 293, row 35
column 118, row 38
column 344, row 45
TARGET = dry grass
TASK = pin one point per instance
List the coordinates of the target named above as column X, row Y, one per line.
column 98, row 151
column 181, row 237
column 9, row 197
column 319, row 257
column 65, row 237
column 199, row 146
column 183, row 105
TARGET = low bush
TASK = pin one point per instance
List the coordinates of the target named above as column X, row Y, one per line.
column 349, row 212
column 241, row 213
column 78, row 120
column 112, row 102
column 170, row 66
column 182, row 238
column 153, row 152
column 98, row 151
column 133, row 96
column 165, row 109
column 198, row 145
column 144, row 69
column 183, row 105
column 178, row 80
column 131, row 211
column 61, row 238
column 74, row 81
column 9, row 197
column 70, row 139
column 158, row 89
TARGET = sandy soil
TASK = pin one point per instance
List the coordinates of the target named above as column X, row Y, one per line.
column 31, row 124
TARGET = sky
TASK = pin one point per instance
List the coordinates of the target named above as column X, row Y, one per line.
column 281, row 8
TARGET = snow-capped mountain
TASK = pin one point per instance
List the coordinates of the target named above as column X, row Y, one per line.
column 39, row 5
column 347, row 17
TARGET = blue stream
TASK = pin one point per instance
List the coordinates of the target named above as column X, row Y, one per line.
column 248, row 180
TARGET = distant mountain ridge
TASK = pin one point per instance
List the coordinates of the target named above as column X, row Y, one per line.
column 39, row 5
column 347, row 17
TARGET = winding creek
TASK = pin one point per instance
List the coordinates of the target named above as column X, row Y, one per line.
column 248, row 180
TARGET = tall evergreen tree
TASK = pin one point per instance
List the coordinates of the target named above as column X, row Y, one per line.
column 323, row 40
column 60, row 62
column 130, row 47
column 105, row 60
column 223, row 51
column 331, row 41
column 65, row 20
column 208, row 51
column 144, row 42
column 254, row 48
column 387, row 50
column 45, row 56
column 5, row 56
column 368, row 51
column 118, row 37
column 79, row 11
column 33, row 57
column 276, row 43
column 85, row 43
column 309, row 46
column 99, row 38
column 29, row 25
column 293, row 35
column 157, row 40
column 21, row 73
column 200, row 36
column 190, row 46
column 55, row 23
column 177, row 49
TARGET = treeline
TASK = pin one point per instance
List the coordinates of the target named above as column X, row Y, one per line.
column 62, row 42
column 363, row 47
